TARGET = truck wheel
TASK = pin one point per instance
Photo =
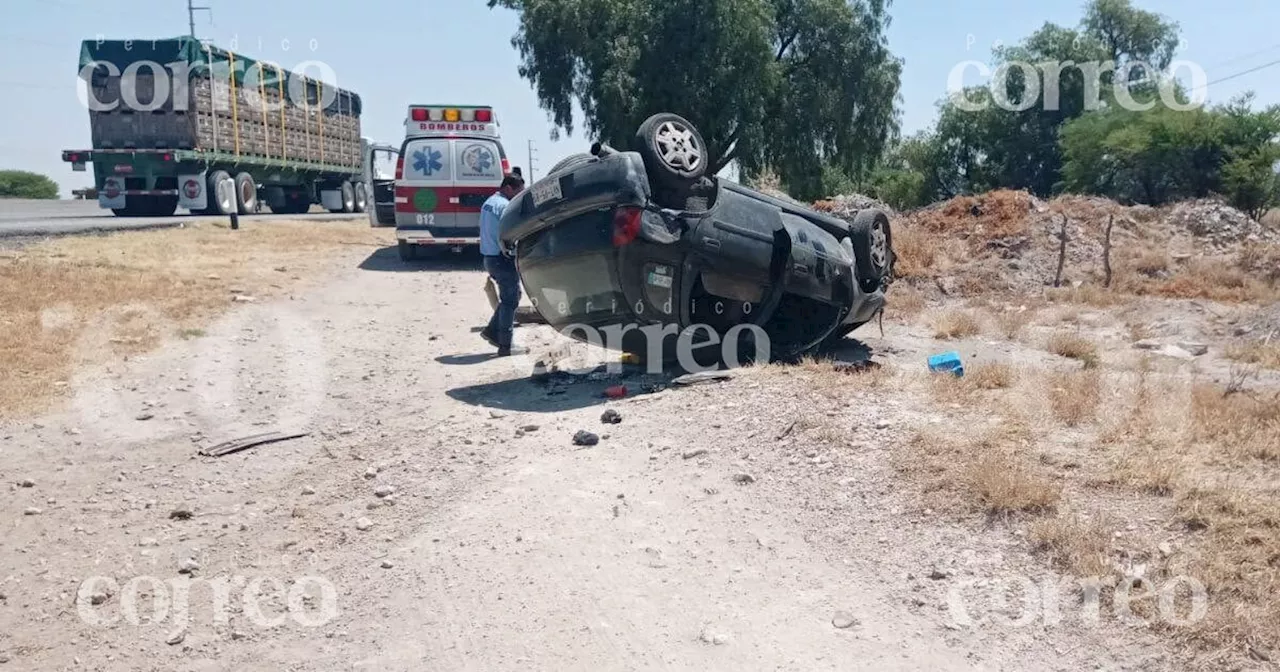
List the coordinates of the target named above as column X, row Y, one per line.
column 246, row 194
column 673, row 151
column 162, row 206
column 222, row 193
column 362, row 197
column 348, row 198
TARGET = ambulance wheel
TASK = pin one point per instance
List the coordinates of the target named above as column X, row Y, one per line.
column 408, row 251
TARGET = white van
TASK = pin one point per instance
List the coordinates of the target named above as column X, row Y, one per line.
column 451, row 161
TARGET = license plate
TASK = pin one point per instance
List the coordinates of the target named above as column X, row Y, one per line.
column 78, row 166
column 544, row 192
column 658, row 280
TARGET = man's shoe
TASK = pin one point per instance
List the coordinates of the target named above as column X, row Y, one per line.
column 488, row 337
column 508, row 351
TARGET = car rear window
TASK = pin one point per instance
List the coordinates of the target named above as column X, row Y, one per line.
column 428, row 159
column 478, row 161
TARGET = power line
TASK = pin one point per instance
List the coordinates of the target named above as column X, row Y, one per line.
column 1247, row 56
column 1242, row 73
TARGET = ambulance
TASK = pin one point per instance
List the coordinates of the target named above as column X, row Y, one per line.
column 450, row 162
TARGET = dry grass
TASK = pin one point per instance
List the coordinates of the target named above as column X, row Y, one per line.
column 1245, row 425
column 956, row 324
column 1012, row 323
column 917, row 252
column 1074, row 346
column 905, row 302
column 1072, row 544
column 990, row 474
column 1151, row 263
column 1074, row 396
column 1089, row 295
column 1214, row 279
column 87, row 300
column 992, row 376
column 1236, row 560
column 1265, row 355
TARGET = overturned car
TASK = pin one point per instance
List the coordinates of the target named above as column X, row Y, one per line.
column 641, row 251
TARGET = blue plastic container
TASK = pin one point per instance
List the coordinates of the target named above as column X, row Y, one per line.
column 947, row 362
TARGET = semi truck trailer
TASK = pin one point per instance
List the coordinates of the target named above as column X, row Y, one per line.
column 178, row 123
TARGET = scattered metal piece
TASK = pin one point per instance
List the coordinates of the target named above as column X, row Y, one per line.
column 247, row 442
column 702, row 377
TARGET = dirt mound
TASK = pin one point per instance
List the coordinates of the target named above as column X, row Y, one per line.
column 846, row 206
column 1012, row 240
column 1218, row 224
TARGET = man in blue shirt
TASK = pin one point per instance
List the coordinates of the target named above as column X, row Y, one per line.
column 499, row 266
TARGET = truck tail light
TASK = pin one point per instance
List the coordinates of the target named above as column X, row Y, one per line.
column 71, row 157
column 418, row 113
column 506, row 166
column 400, row 168
column 166, row 157
column 626, row 225
column 484, row 116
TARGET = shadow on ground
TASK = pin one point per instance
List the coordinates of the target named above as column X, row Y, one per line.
column 387, row 260
column 541, row 392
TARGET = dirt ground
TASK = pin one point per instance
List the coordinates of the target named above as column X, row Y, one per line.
column 439, row 516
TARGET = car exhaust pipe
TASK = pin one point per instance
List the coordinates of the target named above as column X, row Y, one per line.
column 599, row 149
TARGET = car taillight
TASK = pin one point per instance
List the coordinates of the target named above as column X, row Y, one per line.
column 419, row 113
column 626, row 225
column 400, row 168
column 484, row 116
column 506, row 166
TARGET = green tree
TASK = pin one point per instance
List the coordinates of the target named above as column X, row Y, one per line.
column 1160, row 155
column 1019, row 148
column 23, row 184
column 798, row 86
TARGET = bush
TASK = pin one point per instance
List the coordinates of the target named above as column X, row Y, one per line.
column 23, row 184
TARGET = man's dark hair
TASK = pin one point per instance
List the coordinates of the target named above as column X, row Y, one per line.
column 514, row 181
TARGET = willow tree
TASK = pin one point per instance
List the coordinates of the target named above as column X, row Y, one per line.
column 794, row 85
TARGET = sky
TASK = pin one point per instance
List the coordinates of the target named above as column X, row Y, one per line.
column 397, row 52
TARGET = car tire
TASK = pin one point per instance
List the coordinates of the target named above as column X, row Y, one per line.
column 222, row 193
column 871, row 241
column 246, row 194
column 673, row 150
column 569, row 162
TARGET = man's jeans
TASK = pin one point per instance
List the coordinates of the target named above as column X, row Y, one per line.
column 503, row 271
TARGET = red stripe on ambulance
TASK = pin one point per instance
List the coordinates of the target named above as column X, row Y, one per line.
column 447, row 199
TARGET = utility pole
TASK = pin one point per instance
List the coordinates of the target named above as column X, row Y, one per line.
column 191, row 15
column 531, row 153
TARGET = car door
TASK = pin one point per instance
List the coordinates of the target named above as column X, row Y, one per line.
column 380, row 175
column 424, row 192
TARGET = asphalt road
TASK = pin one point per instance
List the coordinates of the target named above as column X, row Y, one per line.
column 64, row 217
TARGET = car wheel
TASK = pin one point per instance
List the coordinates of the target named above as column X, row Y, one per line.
column 569, row 162
column 673, row 151
column 871, row 241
